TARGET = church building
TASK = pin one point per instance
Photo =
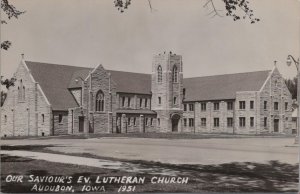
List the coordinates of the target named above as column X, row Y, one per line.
column 50, row 99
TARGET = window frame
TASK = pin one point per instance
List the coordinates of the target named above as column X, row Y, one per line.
column 242, row 122
column 159, row 74
column 216, row 106
column 242, row 105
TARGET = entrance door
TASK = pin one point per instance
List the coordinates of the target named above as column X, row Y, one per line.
column 175, row 122
column 276, row 125
column 81, row 123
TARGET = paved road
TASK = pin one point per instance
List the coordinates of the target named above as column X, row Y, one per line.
column 177, row 151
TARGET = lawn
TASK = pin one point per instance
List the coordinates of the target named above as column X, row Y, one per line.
column 231, row 177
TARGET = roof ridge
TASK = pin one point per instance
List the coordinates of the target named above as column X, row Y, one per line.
column 46, row 63
column 129, row 72
column 227, row 74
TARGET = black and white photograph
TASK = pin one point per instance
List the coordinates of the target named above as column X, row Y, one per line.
column 150, row 96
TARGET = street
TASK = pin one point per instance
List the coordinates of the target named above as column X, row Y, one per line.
column 176, row 151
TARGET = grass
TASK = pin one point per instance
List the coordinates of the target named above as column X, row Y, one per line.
column 231, row 177
column 154, row 135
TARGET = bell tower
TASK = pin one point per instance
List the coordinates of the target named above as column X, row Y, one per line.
column 167, row 91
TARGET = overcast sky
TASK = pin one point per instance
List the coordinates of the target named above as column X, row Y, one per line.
column 90, row 32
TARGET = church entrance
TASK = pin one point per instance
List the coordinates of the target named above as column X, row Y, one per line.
column 175, row 121
column 81, row 123
column 276, row 125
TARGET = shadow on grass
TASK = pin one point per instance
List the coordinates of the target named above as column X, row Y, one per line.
column 26, row 147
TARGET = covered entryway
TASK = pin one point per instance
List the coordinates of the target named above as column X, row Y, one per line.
column 81, row 123
column 276, row 125
column 175, row 122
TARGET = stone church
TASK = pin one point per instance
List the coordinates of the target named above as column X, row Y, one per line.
column 50, row 99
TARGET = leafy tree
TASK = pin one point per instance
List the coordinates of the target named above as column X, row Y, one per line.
column 11, row 12
column 7, row 83
column 237, row 9
column 292, row 86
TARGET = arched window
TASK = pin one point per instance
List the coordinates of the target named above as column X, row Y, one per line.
column 175, row 74
column 100, row 101
column 159, row 74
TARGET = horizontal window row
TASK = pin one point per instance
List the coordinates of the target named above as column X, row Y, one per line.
column 276, row 105
column 216, row 122
column 128, row 102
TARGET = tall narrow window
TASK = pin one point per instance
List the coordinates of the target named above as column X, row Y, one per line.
column 174, row 100
column 251, row 121
column 134, row 121
column 216, row 106
column 175, row 74
column 100, row 101
column 216, row 122
column 242, row 121
column 158, row 122
column 184, row 122
column 275, row 105
column 159, row 100
column 251, row 104
column 43, row 118
column 265, row 122
column 242, row 105
column 203, row 106
column 286, row 106
column 146, row 102
column 203, row 122
column 159, row 74
column 229, row 105
column 141, row 102
column 191, row 106
column 128, row 102
column 123, row 101
column 60, row 118
column 229, row 122
column 265, row 105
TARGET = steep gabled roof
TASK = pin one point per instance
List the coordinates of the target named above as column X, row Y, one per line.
column 222, row 87
column 55, row 80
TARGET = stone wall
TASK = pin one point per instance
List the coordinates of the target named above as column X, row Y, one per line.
column 60, row 122
column 275, row 90
column 29, row 115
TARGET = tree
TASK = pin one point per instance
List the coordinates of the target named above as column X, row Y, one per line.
column 11, row 12
column 7, row 83
column 237, row 9
column 292, row 86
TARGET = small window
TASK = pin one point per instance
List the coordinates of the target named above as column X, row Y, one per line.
column 251, row 121
column 203, row 106
column 159, row 100
column 275, row 105
column 146, row 102
column 286, row 106
column 184, row 107
column 251, row 104
column 229, row 122
column 229, row 105
column 134, row 121
column 216, row 106
column 216, row 122
column 151, row 121
column 242, row 121
column 174, row 100
column 43, row 118
column 191, row 122
column 265, row 105
column 185, row 122
column 265, row 121
column 203, row 122
column 60, row 118
column 191, row 106
column 242, row 105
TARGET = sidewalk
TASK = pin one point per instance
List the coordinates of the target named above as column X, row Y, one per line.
column 99, row 163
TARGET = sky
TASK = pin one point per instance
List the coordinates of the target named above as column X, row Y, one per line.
column 92, row 32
